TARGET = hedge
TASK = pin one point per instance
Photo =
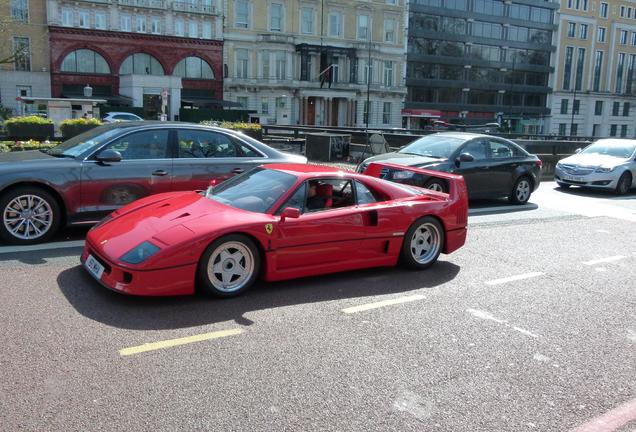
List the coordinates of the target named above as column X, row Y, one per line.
column 72, row 127
column 8, row 146
column 29, row 127
column 253, row 130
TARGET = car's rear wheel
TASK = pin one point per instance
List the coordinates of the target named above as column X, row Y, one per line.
column 521, row 191
column 229, row 266
column 436, row 185
column 563, row 185
column 624, row 183
column 423, row 243
column 29, row 215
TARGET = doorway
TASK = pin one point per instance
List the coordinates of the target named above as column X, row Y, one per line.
column 311, row 111
column 152, row 106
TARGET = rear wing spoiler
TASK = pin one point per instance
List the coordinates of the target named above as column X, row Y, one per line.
column 418, row 177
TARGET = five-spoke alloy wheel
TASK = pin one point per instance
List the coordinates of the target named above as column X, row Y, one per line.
column 521, row 191
column 423, row 243
column 29, row 215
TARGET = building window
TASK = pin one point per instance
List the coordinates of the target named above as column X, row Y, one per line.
column 67, row 17
column 626, row 109
column 281, row 65
column 20, row 10
column 366, row 112
column 613, row 129
column 335, row 24
column 603, row 10
column 265, row 64
column 580, row 63
column 629, row 87
column 389, row 30
column 140, row 24
column 598, row 69
column 567, row 70
column 386, row 113
column 179, row 27
column 155, row 25
column 84, row 19
column 601, row 34
column 206, row 30
column 242, row 13
column 243, row 101
column 388, row 73
column 576, row 104
column 616, row 106
column 264, row 105
column 574, row 128
column 583, row 31
column 141, row 64
column 598, row 108
column 242, row 63
column 564, row 106
column 619, row 72
column 125, row 23
column 22, row 54
column 562, row 129
column 276, row 17
column 489, row 7
column 368, row 72
column 622, row 11
column 100, row 20
column 306, row 20
column 634, row 38
column 193, row 29
column 85, row 61
column 623, row 37
column 363, row 27
column 193, row 67
column 571, row 29
column 596, row 130
column 623, row 131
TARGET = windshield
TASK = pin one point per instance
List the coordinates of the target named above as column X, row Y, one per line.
column 256, row 190
column 620, row 149
column 79, row 144
column 439, row 146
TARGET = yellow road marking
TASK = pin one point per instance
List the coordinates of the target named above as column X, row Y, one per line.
column 176, row 342
column 383, row 303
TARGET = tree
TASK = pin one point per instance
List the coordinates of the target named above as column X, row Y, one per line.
column 19, row 53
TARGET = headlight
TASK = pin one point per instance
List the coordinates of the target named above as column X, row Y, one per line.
column 604, row 170
column 140, row 253
column 558, row 165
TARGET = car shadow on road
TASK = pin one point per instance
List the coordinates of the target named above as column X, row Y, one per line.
column 497, row 206
column 596, row 193
column 147, row 313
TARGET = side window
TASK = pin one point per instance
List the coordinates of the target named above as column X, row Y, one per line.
column 204, row 144
column 328, row 194
column 364, row 195
column 477, row 149
column 297, row 200
column 151, row 144
column 501, row 150
column 248, row 151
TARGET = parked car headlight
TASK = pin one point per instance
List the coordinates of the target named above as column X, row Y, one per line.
column 140, row 253
column 604, row 169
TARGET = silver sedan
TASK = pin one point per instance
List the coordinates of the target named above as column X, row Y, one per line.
column 605, row 164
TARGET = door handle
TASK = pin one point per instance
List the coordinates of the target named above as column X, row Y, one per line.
column 159, row 173
column 237, row 170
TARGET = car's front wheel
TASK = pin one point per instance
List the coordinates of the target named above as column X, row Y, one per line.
column 423, row 243
column 229, row 266
column 521, row 191
column 624, row 183
column 29, row 215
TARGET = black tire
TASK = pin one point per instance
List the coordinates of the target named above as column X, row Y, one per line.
column 521, row 190
column 436, row 185
column 409, row 253
column 563, row 185
column 209, row 281
column 624, row 183
column 38, row 226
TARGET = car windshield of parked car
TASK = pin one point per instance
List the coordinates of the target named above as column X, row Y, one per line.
column 618, row 149
column 436, row 146
column 81, row 143
column 256, row 190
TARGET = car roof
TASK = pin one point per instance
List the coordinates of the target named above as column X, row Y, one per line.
column 463, row 135
column 120, row 112
column 151, row 124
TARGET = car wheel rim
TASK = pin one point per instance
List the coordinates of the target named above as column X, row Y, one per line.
column 28, row 217
column 523, row 190
column 624, row 186
column 425, row 243
column 436, row 187
column 230, row 266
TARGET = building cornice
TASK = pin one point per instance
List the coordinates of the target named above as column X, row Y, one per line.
column 133, row 36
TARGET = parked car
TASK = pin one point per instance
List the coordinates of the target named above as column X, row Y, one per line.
column 94, row 173
column 605, row 164
column 493, row 167
column 112, row 117
column 280, row 221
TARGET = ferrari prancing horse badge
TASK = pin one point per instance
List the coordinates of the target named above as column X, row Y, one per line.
column 269, row 228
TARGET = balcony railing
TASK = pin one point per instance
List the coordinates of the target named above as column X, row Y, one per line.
column 197, row 7
column 150, row 4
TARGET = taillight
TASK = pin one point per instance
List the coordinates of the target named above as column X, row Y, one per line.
column 539, row 163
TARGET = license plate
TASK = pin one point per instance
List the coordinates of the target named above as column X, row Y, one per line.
column 94, row 267
column 573, row 178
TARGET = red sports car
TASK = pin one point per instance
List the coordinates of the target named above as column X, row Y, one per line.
column 277, row 221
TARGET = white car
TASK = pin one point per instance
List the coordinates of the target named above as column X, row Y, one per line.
column 112, row 117
column 606, row 164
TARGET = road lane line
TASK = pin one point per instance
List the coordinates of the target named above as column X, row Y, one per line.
column 489, row 317
column 153, row 346
column 383, row 303
column 611, row 420
column 514, row 278
column 604, row 260
column 525, row 332
column 41, row 247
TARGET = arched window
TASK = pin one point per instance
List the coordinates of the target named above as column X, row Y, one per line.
column 193, row 67
column 141, row 64
column 85, row 61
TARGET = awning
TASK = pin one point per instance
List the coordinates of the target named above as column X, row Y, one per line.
column 424, row 113
column 203, row 101
column 112, row 100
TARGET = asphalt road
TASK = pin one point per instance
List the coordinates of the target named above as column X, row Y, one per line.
column 531, row 326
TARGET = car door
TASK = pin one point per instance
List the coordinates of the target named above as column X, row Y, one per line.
column 476, row 173
column 323, row 236
column 204, row 155
column 504, row 160
column 145, row 169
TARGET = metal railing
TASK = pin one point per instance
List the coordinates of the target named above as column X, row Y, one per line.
column 183, row 6
column 150, row 4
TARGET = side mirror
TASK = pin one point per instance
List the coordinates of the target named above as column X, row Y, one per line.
column 289, row 212
column 578, row 150
column 464, row 157
column 109, row 156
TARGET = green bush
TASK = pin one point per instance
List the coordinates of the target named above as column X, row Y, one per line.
column 72, row 127
column 30, row 145
column 29, row 127
column 251, row 129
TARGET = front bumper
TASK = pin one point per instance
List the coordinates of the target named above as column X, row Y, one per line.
column 162, row 282
column 591, row 180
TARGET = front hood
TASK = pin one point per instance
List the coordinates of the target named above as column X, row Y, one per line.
column 593, row 160
column 405, row 159
column 28, row 158
column 165, row 220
